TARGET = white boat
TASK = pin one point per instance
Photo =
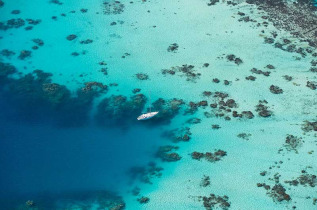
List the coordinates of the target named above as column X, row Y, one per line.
column 147, row 116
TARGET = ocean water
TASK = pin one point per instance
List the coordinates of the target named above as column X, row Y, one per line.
column 70, row 73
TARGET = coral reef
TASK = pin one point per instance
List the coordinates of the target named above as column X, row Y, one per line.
column 205, row 181
column 275, row 89
column 84, row 200
column 143, row 200
column 312, row 85
column 7, row 53
column 178, row 134
column 136, row 191
column 146, row 173
column 298, row 18
column 136, row 90
column 165, row 153
column 87, row 41
column 212, row 2
column 167, row 109
column 215, row 127
column 94, row 86
column 35, row 91
column 12, row 23
column 24, row 54
column 30, row 203
column 244, row 136
column 233, row 58
column 113, row 7
column 252, row 78
column 292, row 143
column 185, row 70
column 71, row 37
column 262, row 109
column 309, row 126
column 214, row 201
column 56, row 2
column 209, row 156
column 6, row 69
column 288, row 78
column 278, row 193
column 118, row 110
column 257, row 71
column 193, row 121
column 142, row 76
column 305, row 179
column 39, row 42
column 173, row 48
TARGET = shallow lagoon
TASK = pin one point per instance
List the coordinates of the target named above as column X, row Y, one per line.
column 61, row 150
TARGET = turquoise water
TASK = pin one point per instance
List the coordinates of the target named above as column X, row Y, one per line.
column 70, row 138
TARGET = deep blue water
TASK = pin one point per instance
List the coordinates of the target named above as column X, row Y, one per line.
column 41, row 158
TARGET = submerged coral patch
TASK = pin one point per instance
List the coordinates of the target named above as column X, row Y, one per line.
column 39, row 42
column 292, row 143
column 278, row 193
column 7, row 53
column 118, row 110
column 56, row 2
column 178, row 134
column 193, row 121
column 309, row 126
column 212, row 2
column 71, row 37
column 143, row 200
column 142, row 76
column 245, row 136
column 167, row 153
column 275, row 89
column 12, row 23
column 257, row 71
column 25, row 54
column 167, row 109
column 5, row 70
column 173, row 47
column 262, row 109
column 35, row 91
column 101, row 199
column 233, row 58
column 87, row 41
column 312, row 85
column 205, row 181
column 113, row 7
column 305, row 179
column 209, row 156
column 299, row 18
column 185, row 70
column 145, row 174
column 214, row 201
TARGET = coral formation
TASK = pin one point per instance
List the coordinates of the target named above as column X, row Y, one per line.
column 262, row 109
column 173, row 48
column 146, row 173
column 113, row 7
column 214, row 201
column 185, row 70
column 233, row 58
column 205, row 181
column 165, row 153
column 209, row 156
column 178, row 134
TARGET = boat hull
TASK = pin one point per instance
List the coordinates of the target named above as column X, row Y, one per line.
column 147, row 116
